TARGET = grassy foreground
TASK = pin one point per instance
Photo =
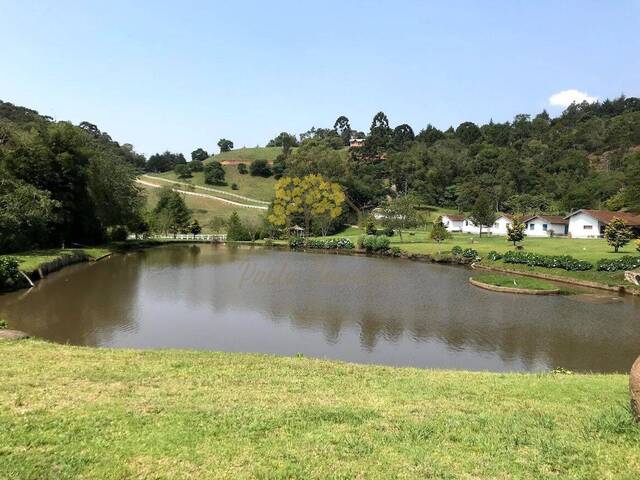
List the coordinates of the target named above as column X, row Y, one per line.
column 71, row 412
column 32, row 259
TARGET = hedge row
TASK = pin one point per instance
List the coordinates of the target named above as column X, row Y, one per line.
column 457, row 251
column 565, row 262
column 331, row 243
column 623, row 263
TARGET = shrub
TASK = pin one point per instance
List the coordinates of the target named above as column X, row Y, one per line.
column 3, row 324
column 623, row 263
column 388, row 231
column 565, row 262
column 9, row 274
column 296, row 242
column 329, row 244
column 372, row 243
column 370, row 227
column 396, row 251
column 470, row 253
column 118, row 234
column 242, row 169
column 456, row 251
column 260, row 168
column 493, row 256
column 234, row 186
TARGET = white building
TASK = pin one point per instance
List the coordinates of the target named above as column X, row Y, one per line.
column 546, row 226
column 500, row 226
column 453, row 223
column 469, row 227
column 591, row 223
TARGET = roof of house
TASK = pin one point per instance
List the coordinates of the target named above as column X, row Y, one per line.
column 549, row 218
column 605, row 216
column 454, row 217
column 505, row 215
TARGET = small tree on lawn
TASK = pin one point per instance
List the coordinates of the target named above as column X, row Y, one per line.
column 242, row 169
column 236, row 231
column 214, row 173
column 439, row 232
column 400, row 213
column 483, row 213
column 617, row 234
column 182, row 171
column 195, row 228
column 515, row 231
column 253, row 228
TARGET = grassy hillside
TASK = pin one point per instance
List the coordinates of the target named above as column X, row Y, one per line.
column 249, row 154
column 253, row 187
column 70, row 412
column 205, row 210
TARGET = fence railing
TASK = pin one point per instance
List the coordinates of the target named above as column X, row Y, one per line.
column 202, row 237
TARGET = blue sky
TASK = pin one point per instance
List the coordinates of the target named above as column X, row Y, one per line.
column 180, row 75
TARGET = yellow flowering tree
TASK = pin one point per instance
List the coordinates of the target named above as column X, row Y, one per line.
column 317, row 200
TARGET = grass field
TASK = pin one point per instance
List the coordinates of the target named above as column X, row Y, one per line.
column 70, row 412
column 514, row 282
column 258, row 188
column 249, row 154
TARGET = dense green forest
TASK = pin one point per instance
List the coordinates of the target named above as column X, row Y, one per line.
column 588, row 157
column 62, row 184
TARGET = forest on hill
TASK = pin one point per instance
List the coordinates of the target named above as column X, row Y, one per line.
column 64, row 183
column 588, row 157
column 61, row 183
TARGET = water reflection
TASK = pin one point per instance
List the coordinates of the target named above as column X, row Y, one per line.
column 358, row 309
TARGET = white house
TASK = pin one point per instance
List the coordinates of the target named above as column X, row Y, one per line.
column 453, row 223
column 591, row 223
column 546, row 226
column 500, row 226
column 469, row 227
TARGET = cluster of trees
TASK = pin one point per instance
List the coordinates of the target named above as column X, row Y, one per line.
column 588, row 157
column 61, row 183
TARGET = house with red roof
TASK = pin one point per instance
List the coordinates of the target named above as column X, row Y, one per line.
column 591, row 223
column 546, row 226
column 452, row 222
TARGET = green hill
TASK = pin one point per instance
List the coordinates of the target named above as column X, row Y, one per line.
column 248, row 154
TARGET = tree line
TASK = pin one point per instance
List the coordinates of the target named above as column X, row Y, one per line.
column 588, row 157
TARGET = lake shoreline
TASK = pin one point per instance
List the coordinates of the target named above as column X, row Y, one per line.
column 447, row 259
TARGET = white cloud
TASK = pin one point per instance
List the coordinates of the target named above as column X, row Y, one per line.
column 567, row 97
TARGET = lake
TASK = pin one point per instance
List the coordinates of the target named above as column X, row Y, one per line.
column 359, row 309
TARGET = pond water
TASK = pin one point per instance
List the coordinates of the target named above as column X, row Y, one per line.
column 368, row 310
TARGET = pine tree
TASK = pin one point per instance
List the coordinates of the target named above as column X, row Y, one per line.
column 515, row 232
column 439, row 232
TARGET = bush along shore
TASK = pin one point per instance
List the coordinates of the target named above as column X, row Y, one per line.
column 376, row 245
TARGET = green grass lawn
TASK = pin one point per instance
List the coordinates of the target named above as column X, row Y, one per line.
column 514, row 282
column 70, row 412
column 32, row 259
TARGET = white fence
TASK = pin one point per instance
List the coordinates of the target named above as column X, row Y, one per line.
column 221, row 237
